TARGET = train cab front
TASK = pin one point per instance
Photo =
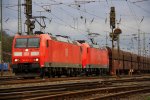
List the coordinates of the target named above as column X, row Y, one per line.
column 26, row 55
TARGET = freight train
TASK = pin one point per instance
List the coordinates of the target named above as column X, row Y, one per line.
column 43, row 54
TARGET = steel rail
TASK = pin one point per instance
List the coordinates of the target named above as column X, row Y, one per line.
column 115, row 96
column 83, row 93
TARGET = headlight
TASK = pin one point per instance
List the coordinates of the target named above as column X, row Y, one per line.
column 34, row 53
column 26, row 50
column 17, row 53
column 36, row 59
column 16, row 60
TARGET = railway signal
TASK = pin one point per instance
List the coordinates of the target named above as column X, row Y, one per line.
column 112, row 25
column 112, row 17
column 114, row 34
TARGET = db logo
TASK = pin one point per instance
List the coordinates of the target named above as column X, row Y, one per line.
column 26, row 53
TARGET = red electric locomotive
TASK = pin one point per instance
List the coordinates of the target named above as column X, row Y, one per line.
column 26, row 53
column 39, row 53
column 95, row 61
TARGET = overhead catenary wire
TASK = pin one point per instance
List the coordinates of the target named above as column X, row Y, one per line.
column 140, row 1
column 93, row 16
column 81, row 30
column 133, row 13
column 131, row 10
column 81, row 10
column 86, row 12
column 147, row 11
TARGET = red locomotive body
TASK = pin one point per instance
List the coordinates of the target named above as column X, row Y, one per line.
column 42, row 52
column 63, row 54
column 26, row 53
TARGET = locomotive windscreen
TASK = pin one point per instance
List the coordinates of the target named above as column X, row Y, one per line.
column 27, row 43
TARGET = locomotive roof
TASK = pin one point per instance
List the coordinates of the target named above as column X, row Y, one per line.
column 63, row 39
column 91, row 45
column 94, row 46
column 81, row 41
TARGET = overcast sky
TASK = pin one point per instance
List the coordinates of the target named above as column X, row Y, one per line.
column 75, row 17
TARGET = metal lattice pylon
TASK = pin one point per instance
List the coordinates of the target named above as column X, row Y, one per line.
column 19, row 17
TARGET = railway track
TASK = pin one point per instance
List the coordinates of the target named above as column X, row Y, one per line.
column 73, row 89
column 21, row 80
column 96, row 94
column 38, row 80
column 28, row 92
column 8, row 78
column 122, row 94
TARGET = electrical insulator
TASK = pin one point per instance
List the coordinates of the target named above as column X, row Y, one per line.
column 113, row 36
column 112, row 17
column 32, row 24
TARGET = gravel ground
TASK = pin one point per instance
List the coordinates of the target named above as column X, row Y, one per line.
column 145, row 96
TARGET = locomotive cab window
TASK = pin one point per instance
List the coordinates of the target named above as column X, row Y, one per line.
column 33, row 42
column 27, row 42
column 21, row 43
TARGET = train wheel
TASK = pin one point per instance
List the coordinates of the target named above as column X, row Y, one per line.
column 42, row 73
column 59, row 72
column 53, row 72
column 49, row 72
column 75, row 72
column 71, row 72
column 97, row 72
